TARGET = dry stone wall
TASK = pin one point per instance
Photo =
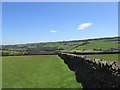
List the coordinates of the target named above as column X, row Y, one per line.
column 93, row 73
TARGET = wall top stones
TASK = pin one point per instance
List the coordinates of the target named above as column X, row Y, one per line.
column 112, row 64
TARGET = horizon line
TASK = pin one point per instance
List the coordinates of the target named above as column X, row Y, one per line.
column 61, row 40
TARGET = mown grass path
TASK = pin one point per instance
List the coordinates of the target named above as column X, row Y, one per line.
column 39, row 71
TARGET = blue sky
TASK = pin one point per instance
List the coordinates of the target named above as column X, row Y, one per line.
column 57, row 21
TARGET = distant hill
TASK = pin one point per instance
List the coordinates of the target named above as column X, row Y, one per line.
column 88, row 45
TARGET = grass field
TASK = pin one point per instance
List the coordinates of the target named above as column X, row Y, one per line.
column 99, row 44
column 107, row 57
column 38, row 71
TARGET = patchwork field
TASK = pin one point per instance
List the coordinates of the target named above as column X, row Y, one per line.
column 88, row 45
column 107, row 57
column 38, row 71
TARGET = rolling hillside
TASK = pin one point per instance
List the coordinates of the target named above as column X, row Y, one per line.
column 88, row 45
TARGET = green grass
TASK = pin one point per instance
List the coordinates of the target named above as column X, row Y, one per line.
column 99, row 44
column 66, row 46
column 38, row 71
column 107, row 57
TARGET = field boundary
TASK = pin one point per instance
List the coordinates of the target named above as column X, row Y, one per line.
column 93, row 53
column 77, row 53
column 93, row 73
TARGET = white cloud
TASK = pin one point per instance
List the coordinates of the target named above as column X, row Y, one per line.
column 54, row 31
column 83, row 26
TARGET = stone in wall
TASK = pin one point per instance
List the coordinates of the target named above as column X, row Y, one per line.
column 93, row 73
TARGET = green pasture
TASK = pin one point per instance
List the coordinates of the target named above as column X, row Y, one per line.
column 107, row 57
column 65, row 45
column 99, row 44
column 37, row 71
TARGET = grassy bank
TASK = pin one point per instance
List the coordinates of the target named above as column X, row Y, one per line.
column 107, row 57
column 39, row 71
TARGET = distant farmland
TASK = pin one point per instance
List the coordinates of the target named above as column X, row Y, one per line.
column 88, row 45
